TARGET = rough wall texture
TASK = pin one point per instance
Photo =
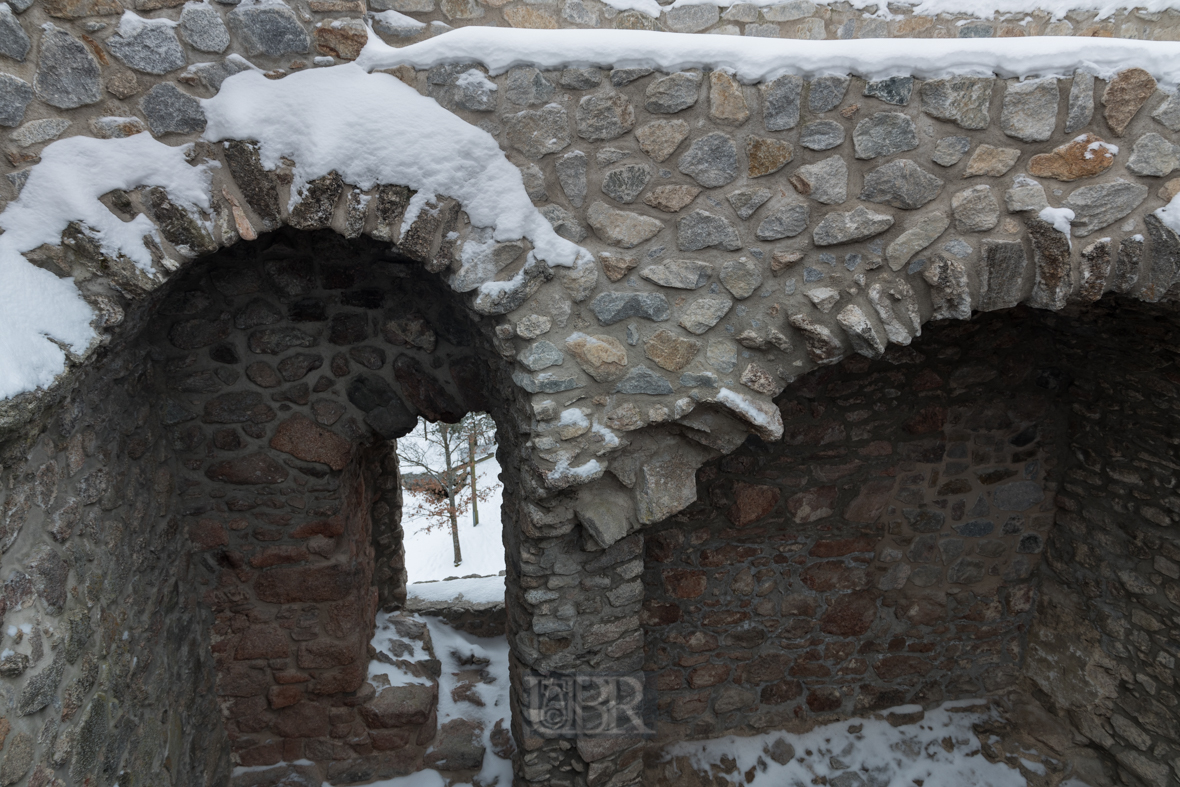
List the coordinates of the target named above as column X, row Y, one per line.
column 742, row 235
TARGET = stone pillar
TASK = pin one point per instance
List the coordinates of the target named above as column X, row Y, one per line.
column 389, row 553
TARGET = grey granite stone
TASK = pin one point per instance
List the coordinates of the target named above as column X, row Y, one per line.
column 147, row 46
column 642, row 380
column 624, row 184
column 1103, row 204
column 1153, row 156
column 571, row 174
column 170, row 111
column 825, row 93
column 963, row 100
column 14, row 41
column 211, row 75
column 858, row 224
column 950, row 150
column 1029, row 110
column 679, row 274
column 884, row 134
column 902, row 184
column 894, row 90
column 691, row 18
column 821, row 135
column 950, row 294
column 15, row 95
column 860, row 331
column 202, row 28
column 604, row 116
column 540, row 355
column 37, row 131
column 625, row 76
column 746, row 201
column 473, row 91
column 780, row 102
column 701, row 230
column 544, row 382
column 272, row 30
column 916, row 237
column 67, row 74
column 822, row 347
column 538, row 132
column 673, row 93
column 741, row 277
column 621, row 228
column 783, row 220
column 703, row 313
column 564, row 223
column 1081, row 102
column 580, row 78
column 825, row 181
column 1001, row 277
column 1018, row 496
column 526, row 86
column 975, row 209
column 1025, row 194
column 1168, row 112
column 612, row 307
column 711, row 160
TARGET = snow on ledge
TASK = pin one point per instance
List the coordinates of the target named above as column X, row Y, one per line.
column 983, row 9
column 756, row 59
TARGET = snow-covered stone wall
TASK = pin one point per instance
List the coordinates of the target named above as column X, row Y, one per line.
column 655, row 234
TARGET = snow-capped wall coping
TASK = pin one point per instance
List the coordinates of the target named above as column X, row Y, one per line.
column 755, row 59
column 982, row 9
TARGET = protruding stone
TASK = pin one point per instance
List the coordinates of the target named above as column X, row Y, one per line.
column 902, row 184
column 727, row 105
column 269, row 29
column 883, row 134
column 701, row 230
column 1126, row 263
column 537, row 132
column 679, row 274
column 571, row 174
column 1095, row 269
column 660, row 138
column 746, row 201
column 741, row 277
column 766, row 156
column 975, row 209
column 949, row 292
column 67, row 74
column 15, row 95
column 780, row 102
column 711, row 160
column 673, row 93
column 671, row 199
column 1083, row 157
column 604, row 116
column 703, row 313
column 950, row 150
column 825, row 181
column 1164, row 262
column 758, row 379
column 621, row 228
column 669, row 351
column 883, row 294
column 1030, row 109
column 642, row 380
column 1103, row 204
column 168, row 110
column 1051, row 256
column 602, row 357
column 919, row 235
column 1025, row 194
column 825, row 93
column 894, row 90
column 14, row 41
column 991, row 162
column 1081, row 102
column 783, row 220
column 202, row 28
column 861, row 333
column 822, row 135
column 823, row 298
column 855, row 225
column 1154, row 156
column 1001, row 277
column 822, row 347
column 612, row 307
column 1124, row 95
column 963, row 100
column 616, row 265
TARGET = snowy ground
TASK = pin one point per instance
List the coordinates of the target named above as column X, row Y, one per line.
column 430, row 556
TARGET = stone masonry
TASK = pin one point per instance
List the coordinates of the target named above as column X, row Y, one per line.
column 726, row 410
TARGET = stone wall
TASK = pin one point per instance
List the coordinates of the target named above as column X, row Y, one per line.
column 882, row 554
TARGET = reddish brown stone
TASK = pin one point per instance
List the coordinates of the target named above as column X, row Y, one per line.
column 931, row 418
column 303, row 720
column 278, row 556
column 893, row 667
column 262, row 642
column 765, row 668
column 237, row 680
column 879, row 698
column 327, row 528
column 926, row 380
column 825, row 700
column 922, row 611
column 834, row 575
column 783, row 691
column 471, row 382
column 707, row 675
column 250, row 469
column 663, row 546
column 658, row 613
column 301, row 438
column 340, row 680
column 868, row 505
column 1076, row 159
column 389, row 740
column 208, row 533
column 752, row 502
column 343, row 41
column 321, row 653
column 425, row 393
column 238, row 407
column 266, row 754
column 689, row 706
column 843, row 546
column 193, row 334
column 330, row 582
column 812, row 504
column 724, row 618
column 286, row 677
column 400, row 706
column 683, row 583
column 1124, row 95
column 727, row 555
column 849, row 616
column 284, row 696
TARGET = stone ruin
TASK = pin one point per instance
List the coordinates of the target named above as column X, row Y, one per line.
column 836, row 415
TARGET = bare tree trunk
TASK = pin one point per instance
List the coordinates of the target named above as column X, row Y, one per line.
column 446, row 434
column 474, row 497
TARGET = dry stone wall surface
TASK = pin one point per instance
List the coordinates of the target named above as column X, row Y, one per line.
column 882, row 554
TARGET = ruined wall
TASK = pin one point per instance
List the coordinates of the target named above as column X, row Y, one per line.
column 883, row 553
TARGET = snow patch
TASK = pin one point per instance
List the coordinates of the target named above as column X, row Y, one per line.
column 1060, row 218
column 1169, row 214
column 476, row 590
column 981, row 9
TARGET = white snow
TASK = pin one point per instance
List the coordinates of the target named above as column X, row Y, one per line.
column 41, row 312
column 754, row 59
column 1169, row 214
column 130, row 22
column 335, row 118
column 382, row 633
column 1060, row 218
column 477, row 590
column 1110, row 151
column 983, row 9
column 573, row 417
column 474, row 78
column 878, row 752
